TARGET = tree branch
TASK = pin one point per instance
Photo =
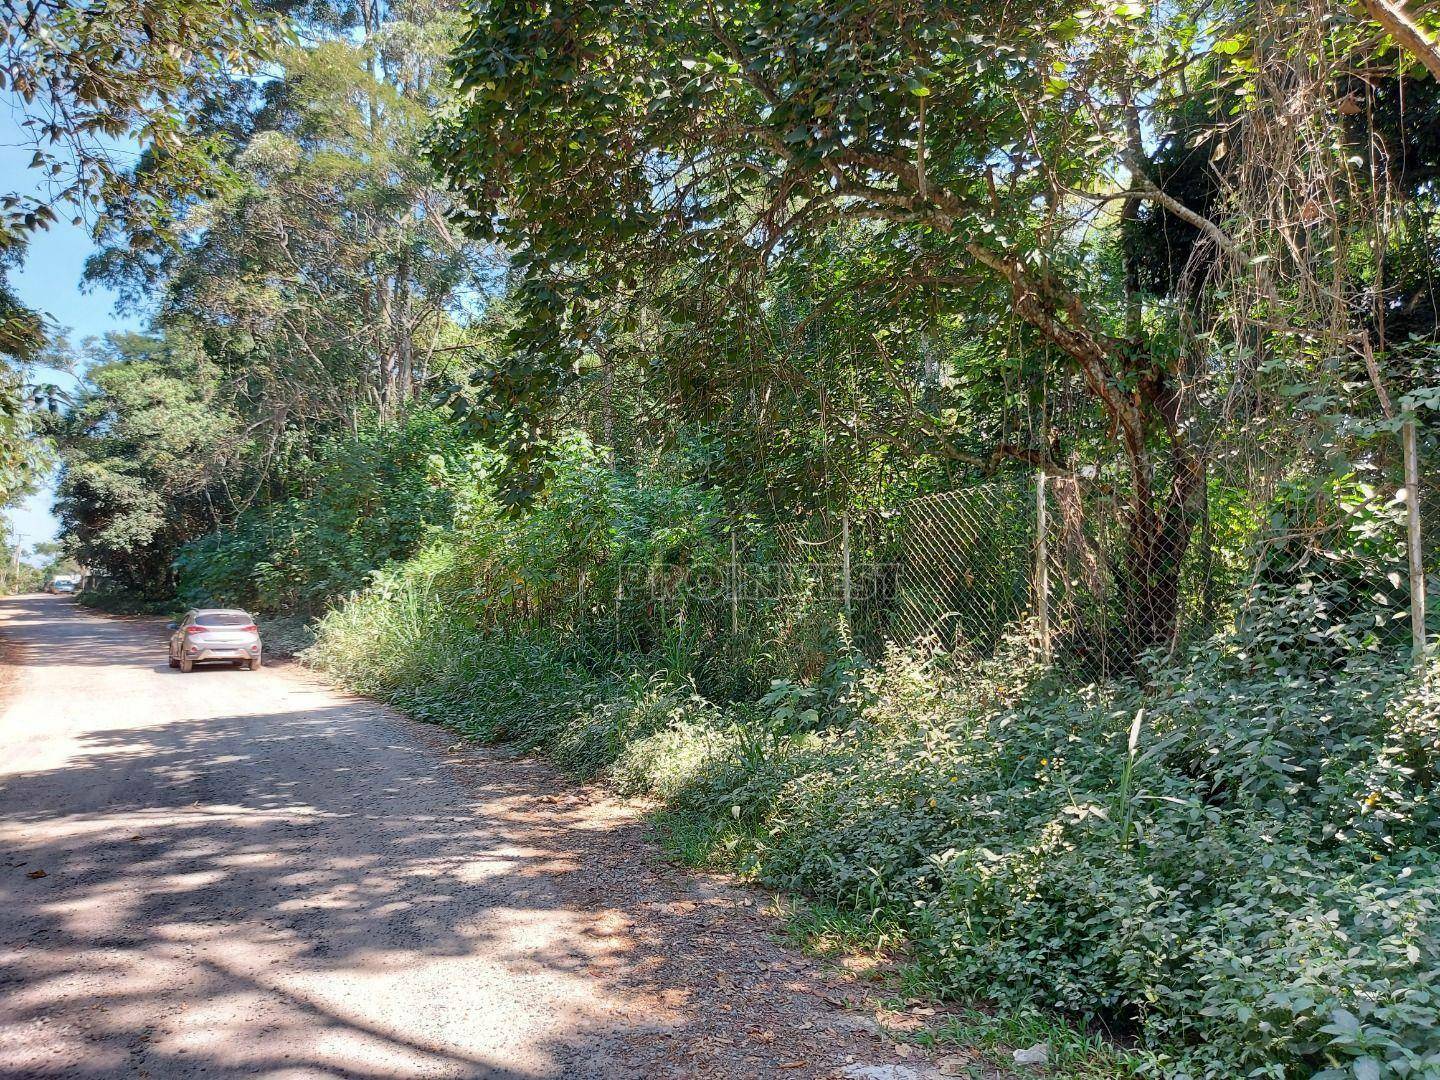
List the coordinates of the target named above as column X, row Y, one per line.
column 1397, row 23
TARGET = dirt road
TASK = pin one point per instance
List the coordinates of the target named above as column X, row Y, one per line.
column 247, row 874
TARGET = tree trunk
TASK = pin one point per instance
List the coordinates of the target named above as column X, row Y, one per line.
column 1150, row 577
column 404, row 344
column 1145, row 415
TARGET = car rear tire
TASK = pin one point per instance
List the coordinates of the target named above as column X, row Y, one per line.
column 172, row 661
column 186, row 666
column 256, row 664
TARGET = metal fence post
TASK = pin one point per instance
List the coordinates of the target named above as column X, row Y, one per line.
column 845, row 563
column 1413, row 540
column 734, row 587
column 619, row 599
column 1042, row 566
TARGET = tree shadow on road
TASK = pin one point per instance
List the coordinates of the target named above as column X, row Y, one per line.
column 323, row 892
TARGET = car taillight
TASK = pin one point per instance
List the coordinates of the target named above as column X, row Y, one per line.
column 249, row 629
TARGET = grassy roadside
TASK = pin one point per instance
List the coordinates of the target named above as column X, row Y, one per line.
column 979, row 1042
column 1230, row 867
column 126, row 604
column 646, row 736
column 1222, row 865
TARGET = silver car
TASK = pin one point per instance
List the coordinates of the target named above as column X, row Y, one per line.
column 225, row 635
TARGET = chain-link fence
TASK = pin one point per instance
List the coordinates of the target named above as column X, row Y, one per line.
column 1098, row 584
column 1069, row 561
column 953, row 568
column 1325, row 560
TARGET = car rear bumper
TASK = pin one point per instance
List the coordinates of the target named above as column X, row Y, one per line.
column 224, row 652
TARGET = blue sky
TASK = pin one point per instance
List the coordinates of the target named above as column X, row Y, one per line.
column 50, row 282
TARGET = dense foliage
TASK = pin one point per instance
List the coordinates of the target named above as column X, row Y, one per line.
column 81, row 81
column 511, row 332
column 687, row 160
column 138, row 472
column 1233, row 862
column 362, row 501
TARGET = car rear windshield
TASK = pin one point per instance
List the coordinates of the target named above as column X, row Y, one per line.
column 222, row 618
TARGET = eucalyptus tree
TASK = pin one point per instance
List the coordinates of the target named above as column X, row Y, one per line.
column 323, row 277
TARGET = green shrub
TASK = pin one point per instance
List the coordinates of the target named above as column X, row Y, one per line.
column 1238, row 900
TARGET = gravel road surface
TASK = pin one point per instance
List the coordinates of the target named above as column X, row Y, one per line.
column 247, row 874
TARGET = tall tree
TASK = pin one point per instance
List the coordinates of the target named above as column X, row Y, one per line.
column 605, row 144
column 85, row 78
column 143, row 450
column 692, row 152
column 88, row 84
column 324, row 278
